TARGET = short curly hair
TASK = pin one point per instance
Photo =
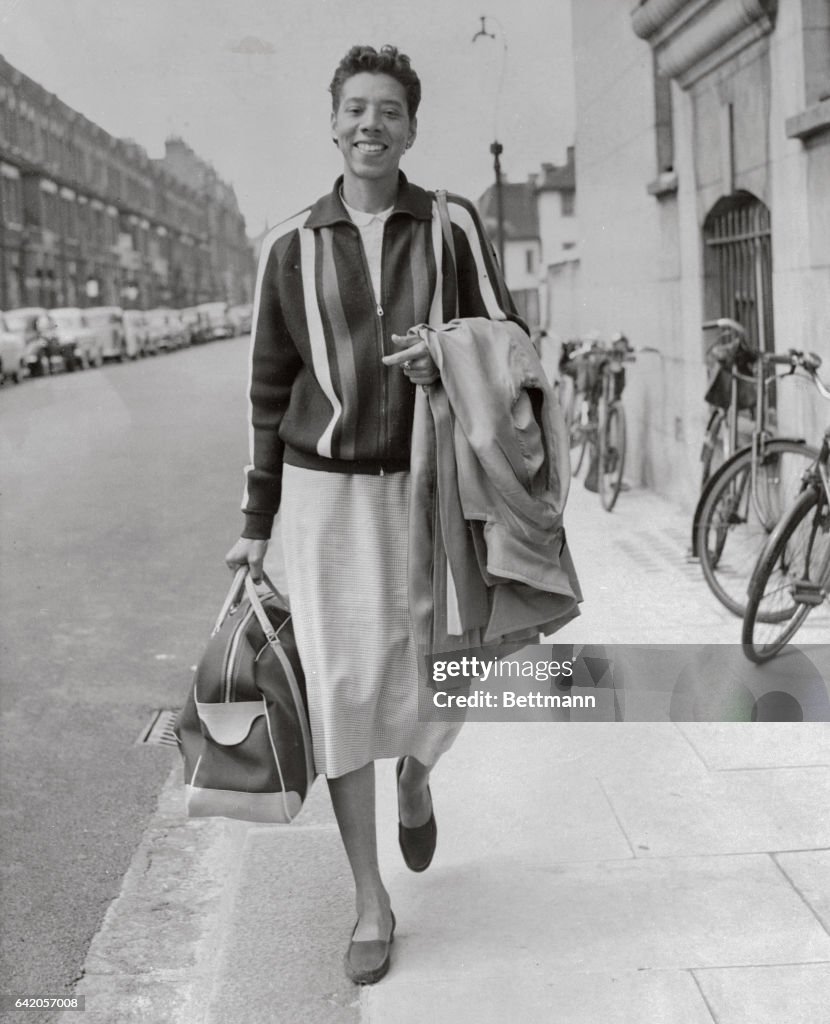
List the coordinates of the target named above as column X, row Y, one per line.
column 388, row 61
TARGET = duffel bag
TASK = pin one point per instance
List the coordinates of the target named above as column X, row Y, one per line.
column 243, row 732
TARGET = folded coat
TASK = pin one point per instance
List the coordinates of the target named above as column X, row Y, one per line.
column 489, row 565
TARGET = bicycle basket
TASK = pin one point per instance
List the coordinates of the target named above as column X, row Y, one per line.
column 719, row 390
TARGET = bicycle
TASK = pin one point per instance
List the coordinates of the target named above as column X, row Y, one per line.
column 792, row 576
column 596, row 420
column 745, row 498
column 730, row 391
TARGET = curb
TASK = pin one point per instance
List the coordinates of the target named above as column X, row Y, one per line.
column 175, row 899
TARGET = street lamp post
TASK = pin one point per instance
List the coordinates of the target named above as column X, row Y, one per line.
column 496, row 147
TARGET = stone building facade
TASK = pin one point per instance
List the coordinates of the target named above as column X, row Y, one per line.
column 703, row 172
column 90, row 219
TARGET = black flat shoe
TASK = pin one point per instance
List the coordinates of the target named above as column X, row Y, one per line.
column 367, row 962
column 417, row 844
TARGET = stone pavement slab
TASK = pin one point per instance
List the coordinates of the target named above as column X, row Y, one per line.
column 726, row 746
column 809, row 872
column 281, row 958
column 671, row 913
column 504, row 782
column 548, row 996
column 727, row 812
column 638, row 584
column 791, row 994
column 283, row 947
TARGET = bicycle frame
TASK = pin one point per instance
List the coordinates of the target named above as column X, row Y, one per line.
column 761, row 434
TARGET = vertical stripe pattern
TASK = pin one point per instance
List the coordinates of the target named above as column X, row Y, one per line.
column 268, row 243
column 436, row 312
column 419, row 268
column 462, row 217
column 317, row 338
column 340, row 341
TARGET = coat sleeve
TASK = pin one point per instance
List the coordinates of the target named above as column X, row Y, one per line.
column 481, row 287
column 274, row 364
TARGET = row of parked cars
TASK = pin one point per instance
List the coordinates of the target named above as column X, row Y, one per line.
column 35, row 341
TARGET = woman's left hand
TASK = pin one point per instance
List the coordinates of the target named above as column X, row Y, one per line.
column 414, row 359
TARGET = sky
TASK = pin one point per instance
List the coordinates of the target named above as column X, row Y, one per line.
column 246, row 83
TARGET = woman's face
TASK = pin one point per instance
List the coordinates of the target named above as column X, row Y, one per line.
column 371, row 125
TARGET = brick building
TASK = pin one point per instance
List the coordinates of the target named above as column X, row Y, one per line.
column 90, row 219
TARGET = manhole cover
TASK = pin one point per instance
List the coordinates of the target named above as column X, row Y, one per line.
column 159, row 730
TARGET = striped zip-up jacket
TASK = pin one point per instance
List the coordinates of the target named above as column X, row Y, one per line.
column 319, row 395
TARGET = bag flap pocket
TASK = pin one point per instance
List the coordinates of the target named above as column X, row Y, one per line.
column 230, row 724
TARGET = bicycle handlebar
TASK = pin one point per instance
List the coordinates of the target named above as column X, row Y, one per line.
column 725, row 323
column 808, row 361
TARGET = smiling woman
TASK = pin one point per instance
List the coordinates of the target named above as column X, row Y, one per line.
column 334, row 366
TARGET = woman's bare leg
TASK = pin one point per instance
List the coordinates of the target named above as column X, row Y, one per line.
column 353, row 799
column 414, row 804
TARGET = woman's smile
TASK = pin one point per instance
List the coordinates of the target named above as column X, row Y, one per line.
column 372, row 127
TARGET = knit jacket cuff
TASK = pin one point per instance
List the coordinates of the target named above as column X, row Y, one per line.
column 258, row 525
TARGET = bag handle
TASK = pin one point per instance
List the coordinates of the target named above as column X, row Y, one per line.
column 234, row 596
column 446, row 231
column 259, row 611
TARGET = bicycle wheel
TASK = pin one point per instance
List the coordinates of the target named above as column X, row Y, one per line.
column 736, row 521
column 577, row 433
column 611, row 455
column 792, row 577
column 713, row 451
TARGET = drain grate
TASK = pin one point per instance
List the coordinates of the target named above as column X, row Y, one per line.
column 159, row 730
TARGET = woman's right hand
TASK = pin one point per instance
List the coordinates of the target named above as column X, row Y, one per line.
column 247, row 552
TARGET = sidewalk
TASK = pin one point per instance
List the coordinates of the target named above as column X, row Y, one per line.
column 586, row 873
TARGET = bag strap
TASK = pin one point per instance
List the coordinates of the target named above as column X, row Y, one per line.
column 234, row 595
column 259, row 611
column 297, row 692
column 446, row 231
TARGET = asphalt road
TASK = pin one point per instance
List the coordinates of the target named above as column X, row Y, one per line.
column 120, row 495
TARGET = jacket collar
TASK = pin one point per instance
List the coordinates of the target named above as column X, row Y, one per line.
column 412, row 200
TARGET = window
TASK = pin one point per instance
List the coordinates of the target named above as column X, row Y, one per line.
column 12, row 200
column 568, row 203
column 663, row 128
column 70, row 213
column 738, row 266
column 816, row 21
column 530, row 261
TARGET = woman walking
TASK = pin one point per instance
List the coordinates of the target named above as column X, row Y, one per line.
column 334, row 373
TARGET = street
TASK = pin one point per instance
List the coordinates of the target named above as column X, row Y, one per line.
column 120, row 495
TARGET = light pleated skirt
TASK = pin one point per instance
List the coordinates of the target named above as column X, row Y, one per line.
column 345, row 546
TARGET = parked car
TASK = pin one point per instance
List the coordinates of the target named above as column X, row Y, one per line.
column 194, row 323
column 240, row 317
column 107, row 324
column 217, row 323
column 40, row 347
column 137, row 333
column 158, row 330
column 179, row 330
column 79, row 344
column 12, row 354
column 167, row 333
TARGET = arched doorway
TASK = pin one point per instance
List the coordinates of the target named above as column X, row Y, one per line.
column 738, row 265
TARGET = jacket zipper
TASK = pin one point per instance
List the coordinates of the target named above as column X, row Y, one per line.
column 384, row 371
